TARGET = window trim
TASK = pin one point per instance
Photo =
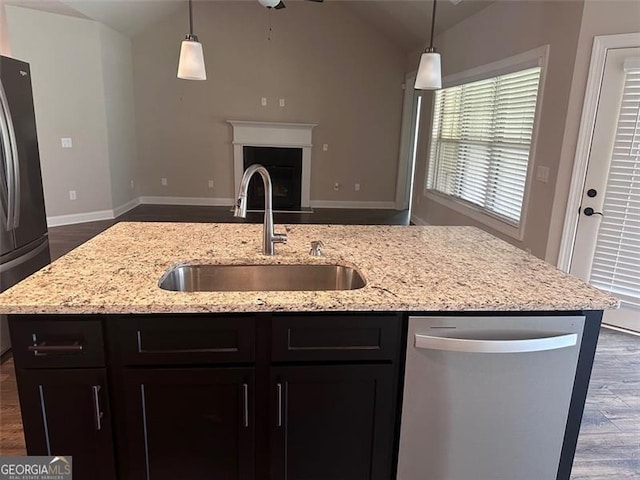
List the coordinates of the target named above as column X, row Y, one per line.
column 532, row 58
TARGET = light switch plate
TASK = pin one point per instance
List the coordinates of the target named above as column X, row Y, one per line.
column 325, row 147
column 66, row 142
column 263, row 101
column 282, row 102
column 542, row 174
column 164, row 182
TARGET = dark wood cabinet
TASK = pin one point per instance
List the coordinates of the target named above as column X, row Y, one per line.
column 226, row 397
column 188, row 423
column 66, row 412
column 332, row 422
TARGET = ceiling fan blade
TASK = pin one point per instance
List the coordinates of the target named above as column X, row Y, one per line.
column 280, row 6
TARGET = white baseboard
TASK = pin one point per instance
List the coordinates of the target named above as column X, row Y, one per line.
column 130, row 205
column 195, row 201
column 418, row 221
column 198, row 201
column 74, row 218
column 390, row 205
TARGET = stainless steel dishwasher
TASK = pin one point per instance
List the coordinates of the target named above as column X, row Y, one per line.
column 487, row 398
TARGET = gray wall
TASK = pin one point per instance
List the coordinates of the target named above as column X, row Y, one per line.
column 117, row 77
column 330, row 67
column 83, row 89
column 599, row 18
column 499, row 31
column 67, row 89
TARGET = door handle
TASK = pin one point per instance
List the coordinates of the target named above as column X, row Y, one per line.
column 5, row 144
column 279, row 393
column 590, row 211
column 543, row 344
column 96, row 406
column 245, row 401
column 10, row 146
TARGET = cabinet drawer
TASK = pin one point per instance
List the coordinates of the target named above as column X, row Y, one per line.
column 335, row 338
column 57, row 343
column 167, row 340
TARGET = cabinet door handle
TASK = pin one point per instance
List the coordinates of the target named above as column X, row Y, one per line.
column 245, row 397
column 279, row 391
column 42, row 349
column 96, row 406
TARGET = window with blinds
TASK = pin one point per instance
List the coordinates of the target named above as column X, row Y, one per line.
column 616, row 263
column 481, row 142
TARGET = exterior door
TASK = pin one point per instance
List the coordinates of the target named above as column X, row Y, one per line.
column 607, row 248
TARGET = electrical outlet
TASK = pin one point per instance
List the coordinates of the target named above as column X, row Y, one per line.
column 66, row 142
column 263, row 101
column 210, row 183
column 325, row 147
column 132, row 185
column 164, row 182
column 356, row 187
column 72, row 195
column 542, row 174
column 336, row 186
column 282, row 102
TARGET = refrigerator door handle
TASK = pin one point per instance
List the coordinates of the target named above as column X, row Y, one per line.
column 542, row 344
column 5, row 142
column 13, row 174
column 5, row 267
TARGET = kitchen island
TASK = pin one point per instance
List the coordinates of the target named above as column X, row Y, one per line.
column 150, row 383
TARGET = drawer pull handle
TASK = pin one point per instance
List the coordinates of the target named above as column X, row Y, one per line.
column 96, row 406
column 245, row 398
column 279, row 391
column 43, row 349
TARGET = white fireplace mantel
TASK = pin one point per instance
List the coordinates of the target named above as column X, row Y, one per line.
column 274, row 134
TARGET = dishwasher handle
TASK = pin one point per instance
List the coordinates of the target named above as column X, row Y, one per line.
column 543, row 344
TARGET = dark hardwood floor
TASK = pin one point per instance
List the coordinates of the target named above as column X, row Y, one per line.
column 609, row 442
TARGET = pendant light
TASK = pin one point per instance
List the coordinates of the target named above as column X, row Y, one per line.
column 269, row 3
column 191, row 64
column 429, row 75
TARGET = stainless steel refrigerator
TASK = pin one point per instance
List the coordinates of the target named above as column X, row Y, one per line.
column 24, row 244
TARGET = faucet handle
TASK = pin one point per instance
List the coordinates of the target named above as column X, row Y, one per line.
column 279, row 238
column 316, row 248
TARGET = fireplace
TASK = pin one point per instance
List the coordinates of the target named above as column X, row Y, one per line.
column 285, row 149
column 285, row 168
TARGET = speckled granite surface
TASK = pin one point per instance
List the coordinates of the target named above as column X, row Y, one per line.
column 406, row 269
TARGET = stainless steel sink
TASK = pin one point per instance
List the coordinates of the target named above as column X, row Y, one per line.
column 246, row 278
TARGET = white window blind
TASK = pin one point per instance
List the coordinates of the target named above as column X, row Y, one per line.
column 616, row 263
column 481, row 142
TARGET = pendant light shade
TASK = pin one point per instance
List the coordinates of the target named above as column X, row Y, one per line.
column 429, row 76
column 269, row 3
column 191, row 65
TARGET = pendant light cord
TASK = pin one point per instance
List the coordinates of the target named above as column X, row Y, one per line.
column 191, row 20
column 433, row 25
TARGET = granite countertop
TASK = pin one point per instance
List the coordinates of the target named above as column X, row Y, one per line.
column 406, row 269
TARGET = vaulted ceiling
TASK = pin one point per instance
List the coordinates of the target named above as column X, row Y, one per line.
column 404, row 22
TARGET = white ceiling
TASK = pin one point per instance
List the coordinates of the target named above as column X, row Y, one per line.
column 405, row 22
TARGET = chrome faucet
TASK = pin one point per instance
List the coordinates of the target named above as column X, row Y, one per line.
column 269, row 238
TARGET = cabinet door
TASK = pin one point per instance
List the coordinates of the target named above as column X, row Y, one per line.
column 332, row 422
column 66, row 412
column 195, row 423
